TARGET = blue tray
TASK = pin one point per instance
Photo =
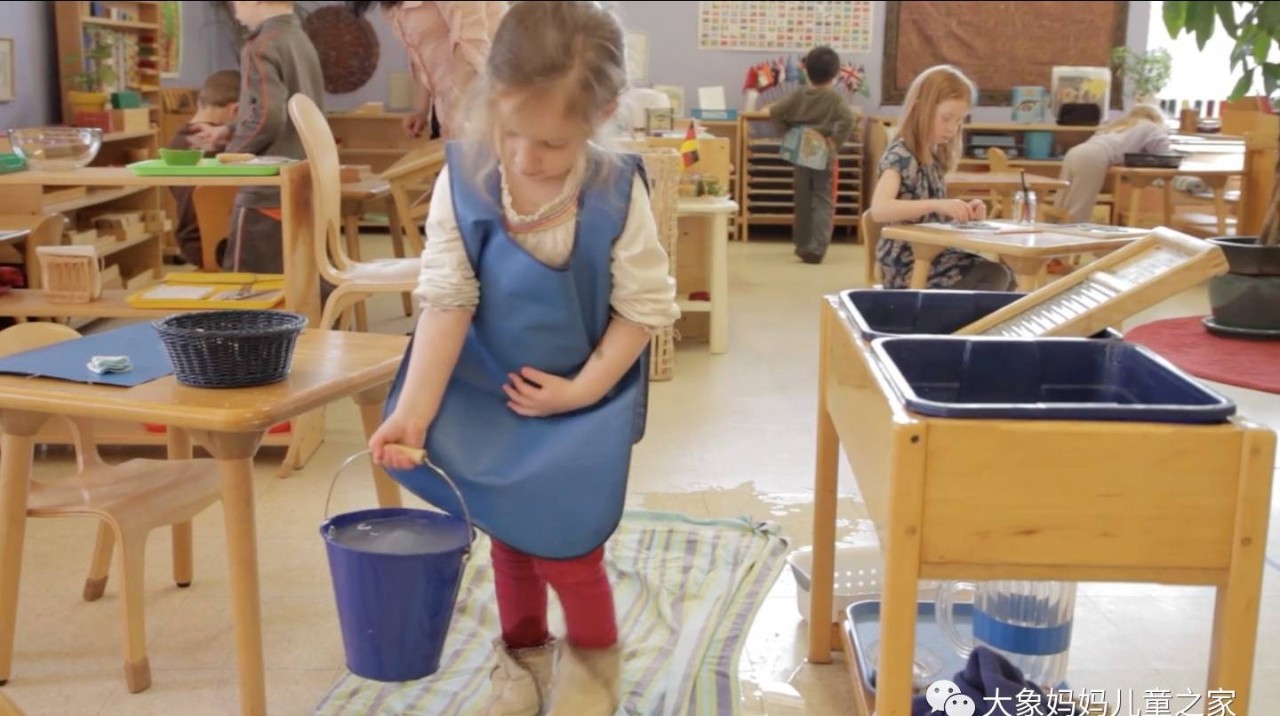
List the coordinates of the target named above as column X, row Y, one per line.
column 879, row 313
column 1044, row 379
column 935, row 657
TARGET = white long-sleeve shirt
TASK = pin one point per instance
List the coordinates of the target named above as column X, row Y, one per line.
column 643, row 289
column 1141, row 138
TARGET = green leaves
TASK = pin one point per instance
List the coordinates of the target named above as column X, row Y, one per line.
column 1270, row 77
column 1175, row 17
column 1243, row 85
column 1255, row 30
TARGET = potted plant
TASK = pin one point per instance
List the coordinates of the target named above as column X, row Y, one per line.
column 1146, row 73
column 1245, row 301
column 92, row 83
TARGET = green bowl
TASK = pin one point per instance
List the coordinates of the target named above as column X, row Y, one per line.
column 181, row 157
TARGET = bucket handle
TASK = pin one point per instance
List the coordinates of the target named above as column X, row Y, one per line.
column 419, row 456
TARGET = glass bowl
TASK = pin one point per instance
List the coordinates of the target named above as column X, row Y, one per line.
column 56, row 148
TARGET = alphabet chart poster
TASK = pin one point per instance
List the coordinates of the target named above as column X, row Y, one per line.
column 796, row 26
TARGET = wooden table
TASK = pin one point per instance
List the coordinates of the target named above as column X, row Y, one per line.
column 717, row 213
column 327, row 366
column 1214, row 174
column 1138, row 502
column 1027, row 254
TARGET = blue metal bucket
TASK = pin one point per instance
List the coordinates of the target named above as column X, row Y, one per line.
column 396, row 574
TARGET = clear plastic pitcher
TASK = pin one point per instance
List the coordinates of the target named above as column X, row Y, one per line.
column 1029, row 623
column 1024, row 207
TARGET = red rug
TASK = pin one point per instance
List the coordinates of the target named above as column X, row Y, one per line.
column 1185, row 342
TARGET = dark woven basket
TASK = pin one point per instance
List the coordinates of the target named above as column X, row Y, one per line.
column 230, row 349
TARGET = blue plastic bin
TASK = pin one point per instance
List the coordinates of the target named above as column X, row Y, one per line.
column 1043, row 379
column 880, row 313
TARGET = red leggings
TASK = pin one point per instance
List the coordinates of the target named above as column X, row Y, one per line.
column 581, row 584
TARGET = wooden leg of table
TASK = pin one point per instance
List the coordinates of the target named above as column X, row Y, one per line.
column 924, row 256
column 1235, row 618
column 899, row 605
column 95, row 585
column 825, row 483
column 179, row 448
column 234, row 452
column 718, row 264
column 371, row 403
column 1028, row 272
column 15, row 474
column 352, row 226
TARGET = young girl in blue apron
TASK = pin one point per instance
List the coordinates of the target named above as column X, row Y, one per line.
column 542, row 282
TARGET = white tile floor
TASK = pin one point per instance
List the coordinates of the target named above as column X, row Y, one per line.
column 730, row 435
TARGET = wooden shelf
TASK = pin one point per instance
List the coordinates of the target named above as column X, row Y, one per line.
column 766, row 192
column 74, row 28
column 126, row 136
column 120, row 24
column 93, row 198
column 1026, row 127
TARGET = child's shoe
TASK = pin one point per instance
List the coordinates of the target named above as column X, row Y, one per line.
column 521, row 679
column 587, row 682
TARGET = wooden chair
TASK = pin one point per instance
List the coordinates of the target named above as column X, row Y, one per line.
column 412, row 181
column 214, row 206
column 997, row 163
column 870, row 232
column 354, row 281
column 131, row 499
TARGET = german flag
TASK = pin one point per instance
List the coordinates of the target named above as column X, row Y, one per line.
column 689, row 147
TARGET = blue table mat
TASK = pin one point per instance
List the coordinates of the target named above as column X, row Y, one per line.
column 69, row 360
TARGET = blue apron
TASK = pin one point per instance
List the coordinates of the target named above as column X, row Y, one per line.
column 550, row 487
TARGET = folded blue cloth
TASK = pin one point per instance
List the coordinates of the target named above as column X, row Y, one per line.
column 989, row 684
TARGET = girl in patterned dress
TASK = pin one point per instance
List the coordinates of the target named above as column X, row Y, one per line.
column 912, row 187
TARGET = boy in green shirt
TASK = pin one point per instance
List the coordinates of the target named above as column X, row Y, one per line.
column 821, row 108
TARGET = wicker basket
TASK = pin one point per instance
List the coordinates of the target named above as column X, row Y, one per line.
column 663, row 167
column 230, row 349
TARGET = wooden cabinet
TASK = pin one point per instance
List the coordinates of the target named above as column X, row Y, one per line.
column 135, row 253
column 767, row 193
column 128, row 32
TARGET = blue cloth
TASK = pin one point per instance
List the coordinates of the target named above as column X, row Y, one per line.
column 69, row 360
column 550, row 487
column 994, row 685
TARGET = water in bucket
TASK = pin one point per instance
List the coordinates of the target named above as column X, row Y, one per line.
column 396, row 573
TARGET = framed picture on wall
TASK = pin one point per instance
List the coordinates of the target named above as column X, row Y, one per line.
column 8, row 92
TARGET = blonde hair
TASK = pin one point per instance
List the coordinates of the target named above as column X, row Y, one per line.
column 1139, row 113
column 930, row 89
column 572, row 48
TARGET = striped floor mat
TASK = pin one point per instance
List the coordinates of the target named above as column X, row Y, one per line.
column 686, row 592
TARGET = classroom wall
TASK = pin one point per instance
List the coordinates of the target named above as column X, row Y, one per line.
column 671, row 29
column 674, row 57
column 32, row 28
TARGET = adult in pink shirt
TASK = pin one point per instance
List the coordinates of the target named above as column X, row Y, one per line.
column 448, row 43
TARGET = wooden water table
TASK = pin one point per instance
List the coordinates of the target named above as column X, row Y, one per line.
column 953, row 499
